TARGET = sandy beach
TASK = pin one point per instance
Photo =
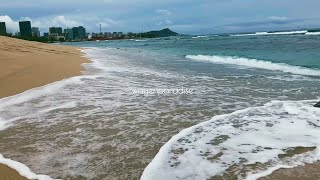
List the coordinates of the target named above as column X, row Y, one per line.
column 7, row 173
column 25, row 65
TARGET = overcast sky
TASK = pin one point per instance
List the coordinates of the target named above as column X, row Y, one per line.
column 183, row 16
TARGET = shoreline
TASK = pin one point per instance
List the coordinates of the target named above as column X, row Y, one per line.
column 9, row 173
column 42, row 79
column 25, row 65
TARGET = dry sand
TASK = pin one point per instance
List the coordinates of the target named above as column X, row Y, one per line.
column 25, row 65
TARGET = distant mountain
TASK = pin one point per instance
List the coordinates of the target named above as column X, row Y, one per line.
column 162, row 33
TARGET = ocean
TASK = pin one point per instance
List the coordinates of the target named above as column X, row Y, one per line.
column 185, row 107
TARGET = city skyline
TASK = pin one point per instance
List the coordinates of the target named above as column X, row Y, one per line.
column 53, row 29
column 29, row 32
column 184, row 16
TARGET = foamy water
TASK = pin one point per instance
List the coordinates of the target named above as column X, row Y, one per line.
column 22, row 169
column 253, row 63
column 93, row 126
column 275, row 33
column 239, row 141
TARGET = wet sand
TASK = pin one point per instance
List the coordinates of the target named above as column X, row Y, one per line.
column 7, row 173
column 25, row 65
column 307, row 172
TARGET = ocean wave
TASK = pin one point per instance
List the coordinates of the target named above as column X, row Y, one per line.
column 253, row 63
column 313, row 33
column 33, row 94
column 140, row 40
column 22, row 169
column 40, row 91
column 235, row 143
column 196, row 37
column 115, row 56
column 272, row 33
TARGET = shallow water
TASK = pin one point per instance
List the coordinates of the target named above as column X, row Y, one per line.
column 95, row 126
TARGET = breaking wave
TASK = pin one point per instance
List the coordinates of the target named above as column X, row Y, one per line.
column 22, row 169
column 196, row 37
column 313, row 33
column 246, row 144
column 272, row 33
column 253, row 63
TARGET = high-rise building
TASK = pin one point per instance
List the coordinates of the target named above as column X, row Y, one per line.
column 46, row 35
column 107, row 34
column 83, row 32
column 75, row 32
column 68, row 34
column 3, row 30
column 57, row 31
column 35, row 32
column 17, row 34
column 79, row 32
column 94, row 35
column 25, row 29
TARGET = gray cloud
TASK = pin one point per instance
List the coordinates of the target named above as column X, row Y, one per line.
column 12, row 26
column 185, row 16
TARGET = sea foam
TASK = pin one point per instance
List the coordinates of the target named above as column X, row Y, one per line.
column 196, row 37
column 239, row 141
column 253, row 63
column 313, row 33
column 22, row 169
column 35, row 93
column 272, row 33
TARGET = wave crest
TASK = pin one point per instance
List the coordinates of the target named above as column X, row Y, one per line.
column 272, row 33
column 253, row 63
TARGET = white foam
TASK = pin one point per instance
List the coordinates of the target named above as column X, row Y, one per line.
column 62, row 106
column 272, row 33
column 196, row 37
column 253, row 63
column 40, row 91
column 256, row 135
column 37, row 92
column 313, row 33
column 4, row 124
column 291, row 78
column 299, row 160
column 34, row 93
column 103, row 59
column 142, row 40
column 282, row 33
column 22, row 169
column 267, row 172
